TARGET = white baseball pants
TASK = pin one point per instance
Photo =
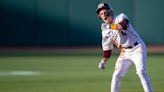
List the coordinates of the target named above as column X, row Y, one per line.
column 137, row 56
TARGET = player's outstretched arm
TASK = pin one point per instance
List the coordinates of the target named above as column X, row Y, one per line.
column 106, row 56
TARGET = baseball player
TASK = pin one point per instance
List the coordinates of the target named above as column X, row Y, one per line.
column 118, row 31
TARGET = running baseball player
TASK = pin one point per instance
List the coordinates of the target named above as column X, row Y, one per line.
column 118, row 31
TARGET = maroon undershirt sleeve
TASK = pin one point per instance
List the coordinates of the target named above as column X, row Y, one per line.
column 107, row 53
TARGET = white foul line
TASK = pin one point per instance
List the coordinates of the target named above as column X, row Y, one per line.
column 19, row 73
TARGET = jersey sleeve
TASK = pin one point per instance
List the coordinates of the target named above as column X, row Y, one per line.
column 106, row 38
column 107, row 45
column 120, row 18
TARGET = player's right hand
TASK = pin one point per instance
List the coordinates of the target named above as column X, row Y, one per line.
column 101, row 65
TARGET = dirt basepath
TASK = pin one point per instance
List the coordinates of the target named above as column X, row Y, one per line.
column 155, row 49
column 150, row 49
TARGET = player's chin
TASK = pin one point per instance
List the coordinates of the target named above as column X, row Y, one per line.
column 106, row 21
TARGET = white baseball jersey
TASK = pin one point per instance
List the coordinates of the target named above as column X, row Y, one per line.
column 135, row 55
column 119, row 38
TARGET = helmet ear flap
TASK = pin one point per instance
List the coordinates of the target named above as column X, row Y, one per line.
column 110, row 13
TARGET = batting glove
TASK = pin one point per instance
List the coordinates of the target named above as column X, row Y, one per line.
column 101, row 65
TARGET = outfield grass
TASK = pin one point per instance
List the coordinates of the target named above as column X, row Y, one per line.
column 72, row 73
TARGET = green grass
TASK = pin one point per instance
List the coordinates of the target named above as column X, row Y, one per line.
column 71, row 73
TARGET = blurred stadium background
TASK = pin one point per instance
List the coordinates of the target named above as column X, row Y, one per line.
column 55, row 45
column 42, row 23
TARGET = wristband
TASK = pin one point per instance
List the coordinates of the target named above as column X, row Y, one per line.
column 114, row 26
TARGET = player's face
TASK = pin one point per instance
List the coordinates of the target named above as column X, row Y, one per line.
column 105, row 16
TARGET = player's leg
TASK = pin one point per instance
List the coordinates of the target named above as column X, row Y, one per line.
column 139, row 59
column 121, row 68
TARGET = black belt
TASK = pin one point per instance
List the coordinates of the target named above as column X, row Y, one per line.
column 130, row 47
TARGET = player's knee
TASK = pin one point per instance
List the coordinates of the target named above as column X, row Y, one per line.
column 141, row 73
column 117, row 76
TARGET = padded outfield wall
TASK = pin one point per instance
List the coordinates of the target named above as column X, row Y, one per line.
column 73, row 22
